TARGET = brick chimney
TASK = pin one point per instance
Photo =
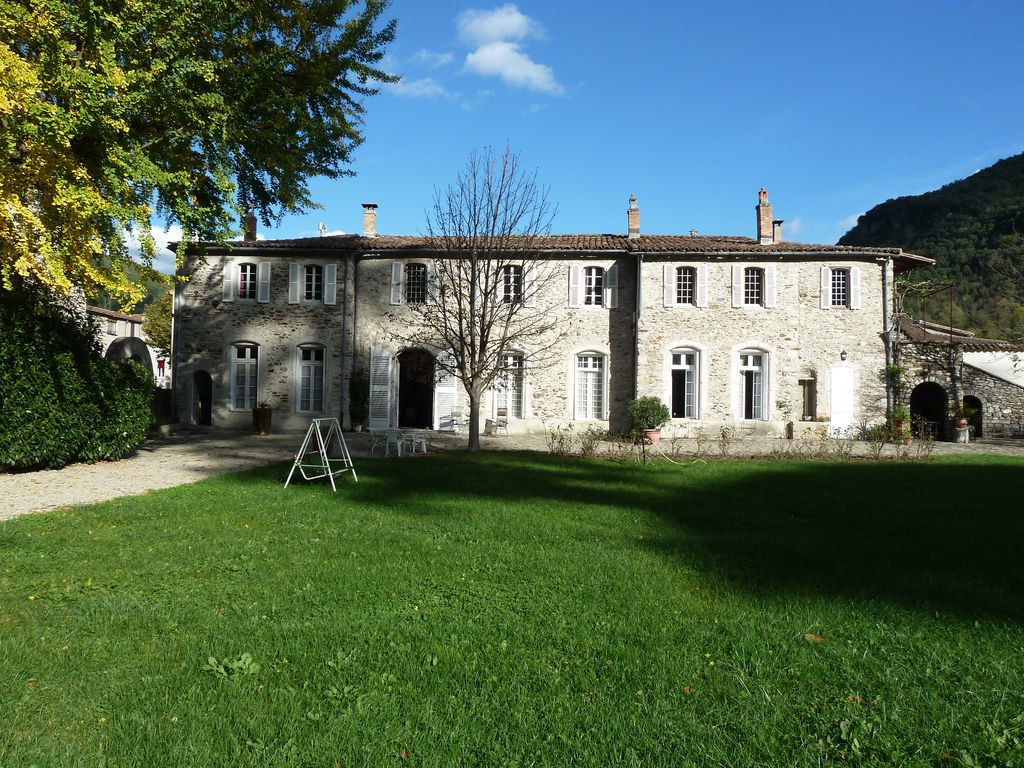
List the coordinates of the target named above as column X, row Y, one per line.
column 249, row 225
column 765, row 229
column 633, row 218
column 369, row 219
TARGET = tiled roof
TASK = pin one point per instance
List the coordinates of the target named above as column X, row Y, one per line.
column 113, row 314
column 584, row 243
column 918, row 330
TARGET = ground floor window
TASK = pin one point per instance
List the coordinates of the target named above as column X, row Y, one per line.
column 508, row 394
column 311, row 378
column 752, row 384
column 244, row 376
column 809, row 395
column 684, row 384
column 590, row 386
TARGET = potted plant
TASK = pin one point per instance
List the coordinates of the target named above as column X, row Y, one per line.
column 900, row 424
column 649, row 415
column 261, row 415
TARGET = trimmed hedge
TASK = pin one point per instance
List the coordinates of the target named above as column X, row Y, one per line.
column 60, row 401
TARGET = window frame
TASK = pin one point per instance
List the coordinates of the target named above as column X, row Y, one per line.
column 599, row 386
column 759, row 410
column 313, row 283
column 415, row 291
column 691, row 387
column 593, row 286
column 753, row 286
column 512, row 398
column 247, row 281
column 837, row 291
column 681, row 275
column 251, row 364
column 512, row 283
column 301, row 364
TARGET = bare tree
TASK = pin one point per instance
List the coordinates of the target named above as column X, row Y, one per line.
column 488, row 233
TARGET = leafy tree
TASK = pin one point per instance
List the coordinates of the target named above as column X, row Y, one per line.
column 113, row 113
column 488, row 229
column 156, row 322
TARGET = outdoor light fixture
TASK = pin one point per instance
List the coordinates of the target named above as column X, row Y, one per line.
column 843, row 355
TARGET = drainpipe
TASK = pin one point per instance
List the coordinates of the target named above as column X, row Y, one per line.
column 887, row 337
column 346, row 348
column 636, row 323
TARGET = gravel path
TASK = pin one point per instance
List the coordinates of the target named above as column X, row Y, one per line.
column 189, row 457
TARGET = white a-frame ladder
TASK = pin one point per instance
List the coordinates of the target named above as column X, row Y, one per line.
column 325, row 436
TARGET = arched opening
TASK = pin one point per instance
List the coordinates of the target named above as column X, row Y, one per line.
column 202, row 398
column 130, row 348
column 928, row 407
column 972, row 408
column 415, row 389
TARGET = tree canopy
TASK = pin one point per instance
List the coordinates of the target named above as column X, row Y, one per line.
column 114, row 115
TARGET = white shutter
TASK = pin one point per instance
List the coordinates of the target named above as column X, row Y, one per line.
column 530, row 285
column 574, row 285
column 229, row 275
column 293, row 283
column 702, row 285
column 432, row 282
column 331, row 284
column 445, row 394
column 611, row 287
column 854, row 287
column 380, row 389
column 769, row 286
column 737, row 285
column 668, row 286
column 826, row 288
column 263, row 282
column 396, row 282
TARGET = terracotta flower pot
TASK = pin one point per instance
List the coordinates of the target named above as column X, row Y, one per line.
column 261, row 420
column 652, row 436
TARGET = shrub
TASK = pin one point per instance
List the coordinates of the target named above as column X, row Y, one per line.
column 648, row 413
column 60, row 401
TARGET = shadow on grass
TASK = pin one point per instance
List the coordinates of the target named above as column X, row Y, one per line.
column 930, row 537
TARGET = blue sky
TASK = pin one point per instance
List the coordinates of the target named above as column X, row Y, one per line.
column 833, row 107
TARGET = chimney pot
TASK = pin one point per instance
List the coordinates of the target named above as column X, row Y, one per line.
column 633, row 218
column 369, row 219
column 777, row 230
column 765, row 233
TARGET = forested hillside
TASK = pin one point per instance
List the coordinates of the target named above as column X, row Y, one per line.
column 974, row 229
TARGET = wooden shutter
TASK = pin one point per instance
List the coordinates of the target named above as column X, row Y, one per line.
column 331, row 284
column 530, row 285
column 396, row 282
column 668, row 285
column 293, row 283
column 854, row 287
column 263, row 282
column 702, row 286
column 380, row 389
column 826, row 288
column 574, row 285
column 611, row 287
column 230, row 273
column 432, row 286
column 445, row 394
column 737, row 285
column 769, row 286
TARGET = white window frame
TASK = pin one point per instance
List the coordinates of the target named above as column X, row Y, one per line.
column 592, row 286
column 245, row 373
column 691, row 394
column 590, row 385
column 306, row 393
column 312, row 283
column 247, row 283
column 509, row 387
column 831, row 292
column 512, row 283
column 753, row 361
column 753, row 286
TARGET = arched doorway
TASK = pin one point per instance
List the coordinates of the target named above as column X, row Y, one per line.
column 130, row 348
column 415, row 389
column 972, row 407
column 202, row 398
column 928, row 407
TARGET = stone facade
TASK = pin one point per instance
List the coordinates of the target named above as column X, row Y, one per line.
column 764, row 340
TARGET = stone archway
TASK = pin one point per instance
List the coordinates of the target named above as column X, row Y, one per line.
column 928, row 407
column 415, row 389
column 130, row 348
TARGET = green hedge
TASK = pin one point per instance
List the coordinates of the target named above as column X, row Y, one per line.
column 60, row 401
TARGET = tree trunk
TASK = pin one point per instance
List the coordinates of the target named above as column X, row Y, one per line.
column 474, row 422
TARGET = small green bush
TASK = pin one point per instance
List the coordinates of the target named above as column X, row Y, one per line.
column 648, row 413
column 60, row 401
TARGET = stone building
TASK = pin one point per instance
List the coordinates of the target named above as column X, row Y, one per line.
column 121, row 338
column 753, row 333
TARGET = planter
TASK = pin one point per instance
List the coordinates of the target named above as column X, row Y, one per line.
column 961, row 422
column 652, row 436
column 261, row 420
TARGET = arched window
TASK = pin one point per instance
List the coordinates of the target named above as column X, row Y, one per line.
column 591, row 385
column 311, row 378
column 753, row 384
column 685, row 377
column 244, row 376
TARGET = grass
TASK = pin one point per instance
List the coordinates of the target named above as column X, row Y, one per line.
column 518, row 609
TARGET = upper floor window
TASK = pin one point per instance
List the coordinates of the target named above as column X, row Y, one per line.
column 311, row 378
column 112, row 326
column 511, row 283
column 590, row 386
column 313, row 275
column 247, row 281
column 415, row 283
column 593, row 286
column 753, row 286
column 686, row 285
column 684, row 383
column 244, row 376
column 840, row 287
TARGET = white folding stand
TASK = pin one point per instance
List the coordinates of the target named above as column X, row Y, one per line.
column 325, row 465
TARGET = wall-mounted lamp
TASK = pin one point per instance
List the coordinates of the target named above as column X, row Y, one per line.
column 843, row 355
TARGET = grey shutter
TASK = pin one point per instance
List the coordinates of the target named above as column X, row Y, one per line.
column 826, row 288
column 263, row 282
column 396, row 282
column 380, row 389
column 769, row 286
column 737, row 285
column 854, row 287
column 574, row 285
column 331, row 284
column 293, row 283
column 432, row 286
column 530, row 285
column 611, row 287
column 668, row 286
column 702, row 285
column 229, row 275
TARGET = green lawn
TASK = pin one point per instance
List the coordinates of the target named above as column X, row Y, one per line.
column 518, row 609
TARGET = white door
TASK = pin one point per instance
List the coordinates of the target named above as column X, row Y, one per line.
column 841, row 422
column 380, row 388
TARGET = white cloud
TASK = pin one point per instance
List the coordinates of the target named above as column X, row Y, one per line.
column 794, row 226
column 505, row 60
column 423, row 88
column 504, row 23
column 163, row 260
column 432, row 59
column 850, row 221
